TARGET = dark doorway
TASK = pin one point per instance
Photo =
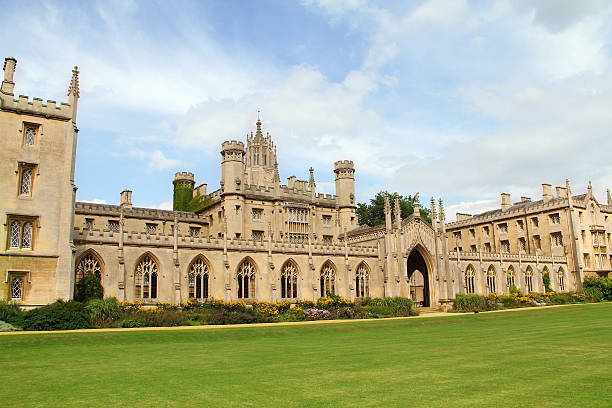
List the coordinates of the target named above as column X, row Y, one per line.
column 419, row 275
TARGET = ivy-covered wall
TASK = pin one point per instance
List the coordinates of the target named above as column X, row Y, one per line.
column 183, row 194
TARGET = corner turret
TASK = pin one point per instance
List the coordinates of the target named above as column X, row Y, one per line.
column 183, row 190
column 232, row 166
column 9, row 70
column 345, row 192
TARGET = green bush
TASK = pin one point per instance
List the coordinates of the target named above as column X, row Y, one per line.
column 9, row 311
column 232, row 317
column 593, row 294
column 603, row 284
column 7, row 327
column 89, row 287
column 56, row 316
column 515, row 291
column 546, row 281
column 101, row 310
column 469, row 303
column 390, row 306
column 509, row 301
column 133, row 322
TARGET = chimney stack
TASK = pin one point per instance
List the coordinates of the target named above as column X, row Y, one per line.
column 126, row 199
column 561, row 192
column 547, row 194
column 523, row 199
column 9, row 70
column 505, row 203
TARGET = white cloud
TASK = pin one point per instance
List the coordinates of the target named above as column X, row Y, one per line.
column 166, row 205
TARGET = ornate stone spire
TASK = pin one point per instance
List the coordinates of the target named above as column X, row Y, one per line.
column 590, row 188
column 416, row 205
column 311, row 182
column 387, row 204
column 258, row 134
column 73, row 90
column 398, row 212
column 609, row 198
column 433, row 209
column 276, row 175
column 442, row 218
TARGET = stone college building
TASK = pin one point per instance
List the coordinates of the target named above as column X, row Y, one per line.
column 257, row 239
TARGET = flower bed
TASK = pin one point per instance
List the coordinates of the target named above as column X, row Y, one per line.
column 477, row 303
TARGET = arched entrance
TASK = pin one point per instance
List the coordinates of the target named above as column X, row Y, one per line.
column 418, row 275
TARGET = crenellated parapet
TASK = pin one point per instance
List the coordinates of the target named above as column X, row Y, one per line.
column 36, row 107
column 232, row 150
column 344, row 169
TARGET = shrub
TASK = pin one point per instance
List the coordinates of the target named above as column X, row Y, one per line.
column 546, row 281
column 133, row 322
column 469, row 303
column 515, row 291
column 509, row 301
column 232, row 317
column 593, row 294
column 604, row 285
column 561, row 298
column 89, row 287
column 9, row 311
column 103, row 309
column 56, row 316
column 390, row 306
column 7, row 327
column 332, row 302
column 316, row 314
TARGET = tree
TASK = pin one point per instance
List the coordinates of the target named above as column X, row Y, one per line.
column 374, row 213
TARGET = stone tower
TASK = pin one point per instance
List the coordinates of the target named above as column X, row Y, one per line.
column 345, row 191
column 232, row 185
column 183, row 190
column 260, row 159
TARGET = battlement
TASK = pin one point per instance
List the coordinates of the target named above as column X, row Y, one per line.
column 36, row 107
column 344, row 164
column 232, row 145
column 184, row 175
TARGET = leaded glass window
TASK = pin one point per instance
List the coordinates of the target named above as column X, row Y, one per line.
column 328, row 279
column 511, row 277
column 26, row 235
column 145, row 279
column 17, row 288
column 26, row 182
column 113, row 226
column 362, row 281
column 470, row 280
column 561, row 277
column 289, row 281
column 491, row 280
column 30, row 136
column 198, row 279
column 529, row 280
column 246, row 280
column 15, row 234
column 88, row 265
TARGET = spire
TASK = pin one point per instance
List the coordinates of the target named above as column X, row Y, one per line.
column 258, row 134
column 387, row 212
column 590, row 188
column 433, row 210
column 398, row 212
column 276, row 175
column 311, row 183
column 73, row 90
column 416, row 205
column 609, row 198
column 570, row 200
column 441, row 210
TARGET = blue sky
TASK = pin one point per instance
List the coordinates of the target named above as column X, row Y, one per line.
column 454, row 99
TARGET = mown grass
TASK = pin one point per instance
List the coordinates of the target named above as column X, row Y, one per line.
column 558, row 357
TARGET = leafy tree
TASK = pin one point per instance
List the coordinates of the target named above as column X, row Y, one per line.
column 89, row 287
column 374, row 213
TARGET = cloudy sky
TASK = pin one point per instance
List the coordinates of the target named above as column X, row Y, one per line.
column 456, row 99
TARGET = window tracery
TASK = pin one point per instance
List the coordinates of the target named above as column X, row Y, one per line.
column 289, row 281
column 470, row 281
column 88, row 265
column 328, row 279
column 491, row 280
column 246, row 280
column 198, row 279
column 17, row 288
column 145, row 278
column 362, row 281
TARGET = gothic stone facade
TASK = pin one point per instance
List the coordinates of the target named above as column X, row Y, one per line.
column 258, row 240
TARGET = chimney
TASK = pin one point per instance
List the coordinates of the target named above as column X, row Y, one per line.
column 9, row 69
column 505, row 204
column 561, row 192
column 126, row 199
column 463, row 216
column 523, row 199
column 547, row 194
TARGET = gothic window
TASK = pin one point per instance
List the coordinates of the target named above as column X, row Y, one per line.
column 470, row 280
column 15, row 234
column 29, row 138
column 25, row 182
column 511, row 277
column 194, row 232
column 327, row 220
column 289, row 281
column 17, row 288
column 113, row 226
column 561, row 279
column 487, row 247
column 557, row 239
column 535, row 222
column 529, row 280
column 89, row 223
column 537, row 242
column 505, row 246
column 145, row 278
column 555, row 218
column 257, row 236
column 151, row 229
column 503, row 228
column 362, row 281
column 327, row 239
column 522, row 244
column 198, row 279
column 246, row 280
column 88, row 265
column 491, row 280
column 21, row 232
column 328, row 279
column 257, row 213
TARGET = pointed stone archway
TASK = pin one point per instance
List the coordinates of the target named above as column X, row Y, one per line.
column 419, row 273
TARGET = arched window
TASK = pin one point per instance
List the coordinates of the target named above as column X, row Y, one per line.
column 198, row 279
column 328, row 279
column 26, row 182
column 17, row 288
column 246, row 280
column 511, row 277
column 26, row 236
column 491, row 279
column 470, row 280
column 529, row 279
column 89, row 264
column 15, row 234
column 145, row 278
column 362, row 281
column 561, row 278
column 289, row 281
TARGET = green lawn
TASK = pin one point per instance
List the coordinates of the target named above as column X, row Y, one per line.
column 557, row 357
